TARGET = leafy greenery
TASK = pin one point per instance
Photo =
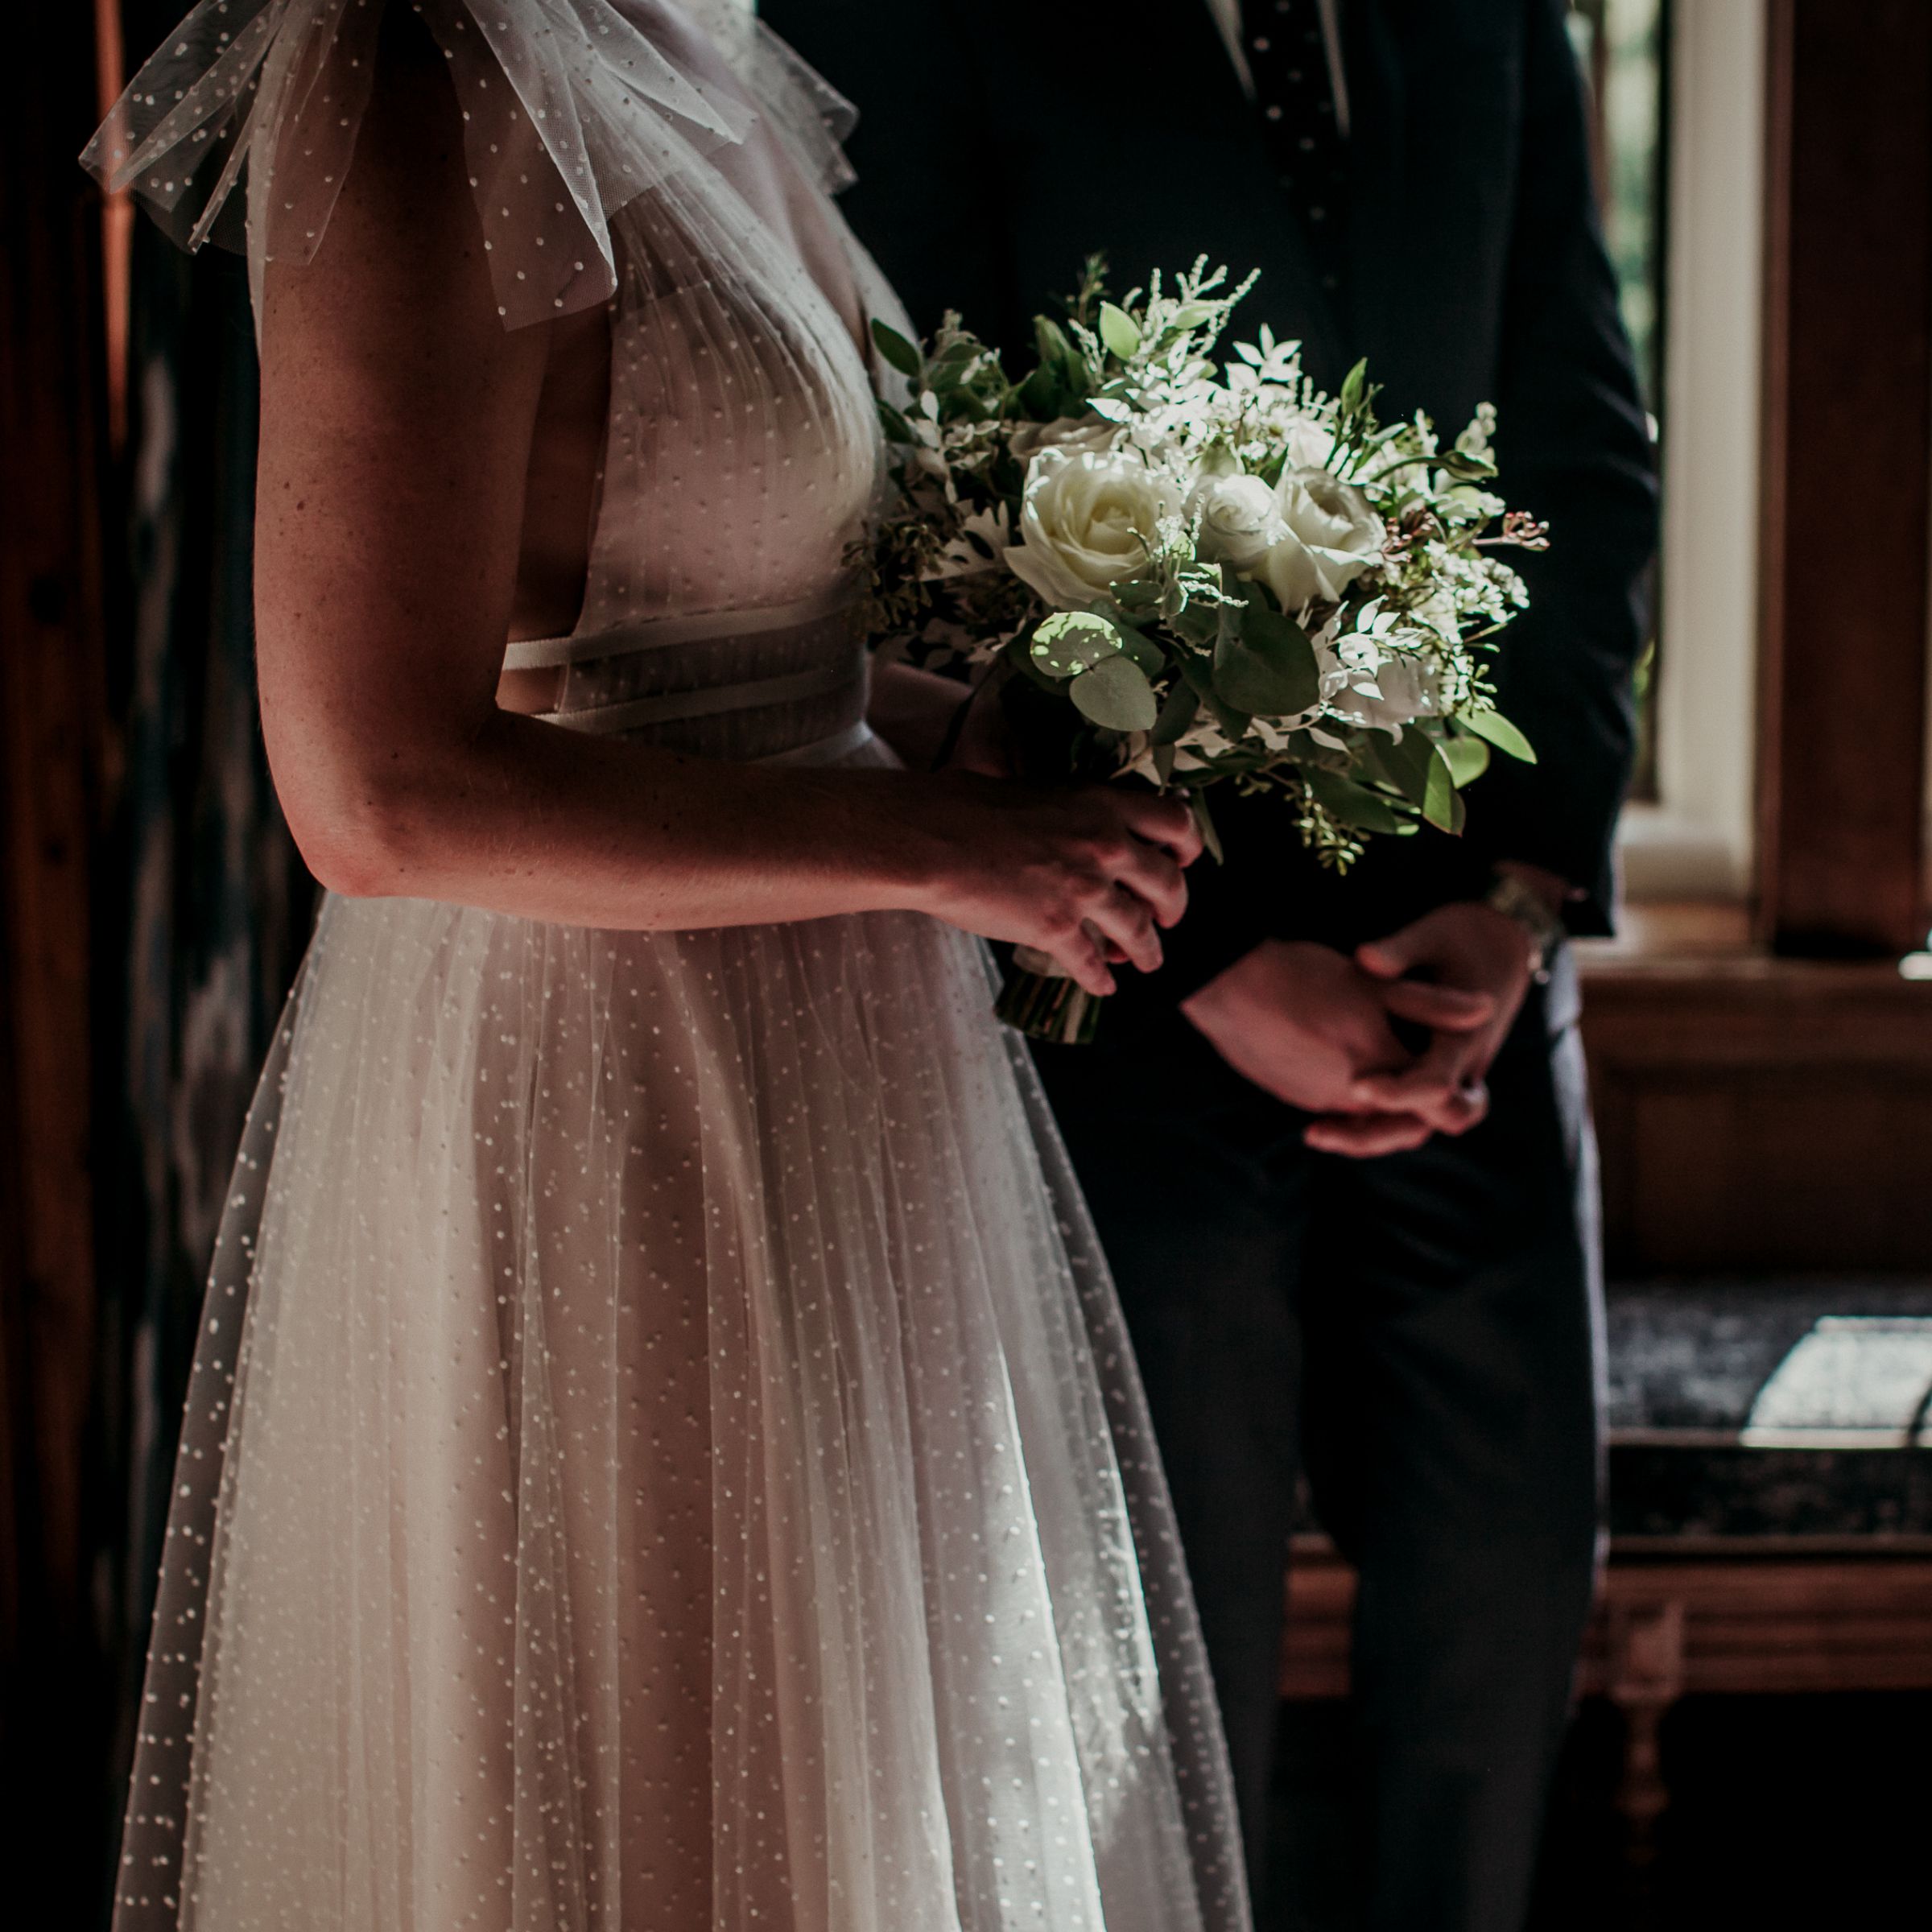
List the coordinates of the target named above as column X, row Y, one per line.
column 1366, row 704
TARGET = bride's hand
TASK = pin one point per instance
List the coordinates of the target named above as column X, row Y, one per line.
column 1084, row 875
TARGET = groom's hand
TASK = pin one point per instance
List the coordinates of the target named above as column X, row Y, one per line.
column 1469, row 946
column 1309, row 1025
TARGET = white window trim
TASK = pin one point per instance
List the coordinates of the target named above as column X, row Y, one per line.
column 1697, row 840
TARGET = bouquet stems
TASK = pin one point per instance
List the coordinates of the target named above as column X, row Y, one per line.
column 1046, row 1002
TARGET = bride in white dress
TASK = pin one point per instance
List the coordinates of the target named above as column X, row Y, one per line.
column 662, row 1453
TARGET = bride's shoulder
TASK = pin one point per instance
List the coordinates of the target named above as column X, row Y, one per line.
column 245, row 125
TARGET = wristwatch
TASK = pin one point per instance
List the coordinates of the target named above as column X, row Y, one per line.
column 1545, row 932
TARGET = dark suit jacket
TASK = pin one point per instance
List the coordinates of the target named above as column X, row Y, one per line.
column 1000, row 141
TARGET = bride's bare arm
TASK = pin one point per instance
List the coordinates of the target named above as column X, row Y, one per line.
column 397, row 418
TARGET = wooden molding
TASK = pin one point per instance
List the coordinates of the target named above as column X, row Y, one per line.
column 1847, row 475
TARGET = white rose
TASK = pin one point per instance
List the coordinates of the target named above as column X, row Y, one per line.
column 1310, row 445
column 1086, row 523
column 1239, row 522
column 1074, row 433
column 1329, row 537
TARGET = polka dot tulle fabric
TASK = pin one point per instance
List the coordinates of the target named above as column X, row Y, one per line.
column 662, row 1453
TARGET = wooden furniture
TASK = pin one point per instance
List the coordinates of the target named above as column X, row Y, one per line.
column 1678, row 1616
column 1757, row 1114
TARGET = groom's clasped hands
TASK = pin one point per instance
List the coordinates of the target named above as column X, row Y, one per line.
column 1318, row 1028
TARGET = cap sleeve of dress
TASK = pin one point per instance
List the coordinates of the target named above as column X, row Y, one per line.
column 241, row 127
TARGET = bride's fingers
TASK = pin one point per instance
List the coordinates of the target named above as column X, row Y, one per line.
column 1082, row 953
column 1127, row 919
column 1152, row 872
column 1165, row 822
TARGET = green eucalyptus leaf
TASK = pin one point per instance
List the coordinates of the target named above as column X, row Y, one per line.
column 1198, row 623
column 1234, row 723
column 1404, row 762
column 1118, row 332
column 1267, row 667
column 901, row 355
column 1468, row 759
column 1501, row 732
column 1073, row 641
column 1442, row 804
column 897, row 428
column 1354, row 805
column 1052, row 339
column 1203, row 820
column 1181, row 707
column 1116, row 696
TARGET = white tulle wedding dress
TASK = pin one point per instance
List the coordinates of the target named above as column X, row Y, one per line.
column 663, row 1453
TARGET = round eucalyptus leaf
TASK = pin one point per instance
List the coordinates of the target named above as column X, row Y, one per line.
column 1116, row 696
column 1074, row 641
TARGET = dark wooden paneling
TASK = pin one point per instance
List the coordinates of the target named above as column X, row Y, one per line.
column 1762, row 1114
column 1847, row 466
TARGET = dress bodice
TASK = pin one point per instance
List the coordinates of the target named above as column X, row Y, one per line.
column 742, row 457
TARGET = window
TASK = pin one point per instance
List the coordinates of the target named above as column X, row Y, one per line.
column 1678, row 128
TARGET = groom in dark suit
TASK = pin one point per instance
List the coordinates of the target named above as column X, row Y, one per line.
column 1345, row 1245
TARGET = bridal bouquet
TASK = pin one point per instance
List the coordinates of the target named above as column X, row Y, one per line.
column 1182, row 575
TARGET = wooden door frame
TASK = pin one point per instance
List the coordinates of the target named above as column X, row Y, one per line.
column 1847, row 478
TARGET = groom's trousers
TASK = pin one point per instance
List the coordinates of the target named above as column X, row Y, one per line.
column 1421, row 1334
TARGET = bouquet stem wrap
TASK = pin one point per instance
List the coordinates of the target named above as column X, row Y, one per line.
column 1045, row 1002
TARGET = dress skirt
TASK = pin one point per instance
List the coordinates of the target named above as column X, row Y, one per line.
column 664, row 1453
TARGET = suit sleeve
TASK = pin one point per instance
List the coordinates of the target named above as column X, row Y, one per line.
column 1575, row 449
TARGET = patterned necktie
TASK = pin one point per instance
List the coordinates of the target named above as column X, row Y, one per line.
column 1289, row 60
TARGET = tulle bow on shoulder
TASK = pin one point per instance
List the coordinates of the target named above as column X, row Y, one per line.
column 571, row 108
